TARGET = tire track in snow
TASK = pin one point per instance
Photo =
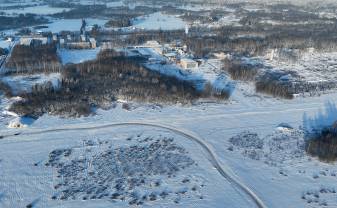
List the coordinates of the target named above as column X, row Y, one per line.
column 224, row 171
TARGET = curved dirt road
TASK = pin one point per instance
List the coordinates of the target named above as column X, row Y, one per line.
column 224, row 171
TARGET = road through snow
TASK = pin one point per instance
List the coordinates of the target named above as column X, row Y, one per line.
column 223, row 170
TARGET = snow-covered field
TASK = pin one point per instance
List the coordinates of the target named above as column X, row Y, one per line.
column 158, row 21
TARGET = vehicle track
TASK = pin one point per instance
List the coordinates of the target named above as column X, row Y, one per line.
column 224, row 171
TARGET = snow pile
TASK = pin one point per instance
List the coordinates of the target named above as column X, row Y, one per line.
column 20, row 122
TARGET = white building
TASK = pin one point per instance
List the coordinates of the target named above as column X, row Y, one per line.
column 28, row 40
column 187, row 29
column 55, row 38
column 189, row 64
column 83, row 38
column 93, row 42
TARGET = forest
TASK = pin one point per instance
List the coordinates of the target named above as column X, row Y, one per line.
column 100, row 82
